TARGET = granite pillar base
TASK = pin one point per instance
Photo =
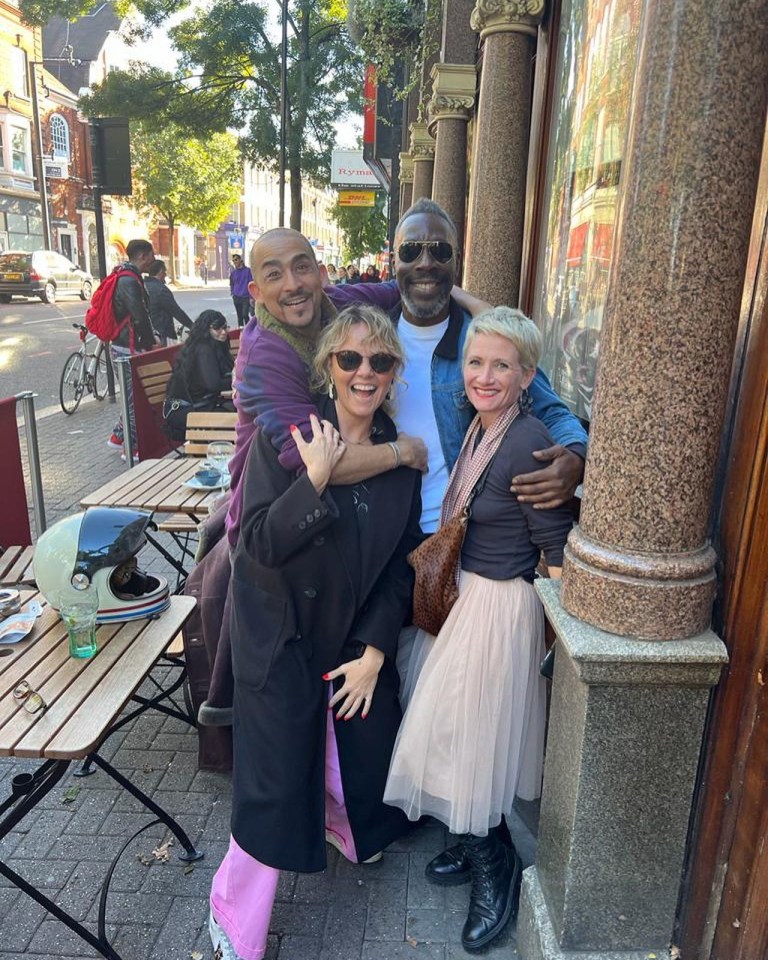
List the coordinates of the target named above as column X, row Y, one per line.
column 625, row 730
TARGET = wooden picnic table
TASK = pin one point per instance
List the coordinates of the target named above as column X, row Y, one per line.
column 156, row 485
column 84, row 699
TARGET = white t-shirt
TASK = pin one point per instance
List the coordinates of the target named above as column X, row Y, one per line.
column 415, row 414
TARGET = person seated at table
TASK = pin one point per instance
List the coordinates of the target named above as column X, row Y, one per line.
column 321, row 588
column 201, row 373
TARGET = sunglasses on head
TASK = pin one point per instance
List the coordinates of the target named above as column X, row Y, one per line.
column 350, row 360
column 411, row 250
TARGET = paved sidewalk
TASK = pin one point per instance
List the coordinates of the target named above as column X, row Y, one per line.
column 157, row 909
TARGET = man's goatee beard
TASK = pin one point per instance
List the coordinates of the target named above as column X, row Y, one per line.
column 437, row 306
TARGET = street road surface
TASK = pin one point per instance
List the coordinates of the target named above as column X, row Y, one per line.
column 36, row 338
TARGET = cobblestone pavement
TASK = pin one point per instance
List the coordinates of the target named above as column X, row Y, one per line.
column 157, row 909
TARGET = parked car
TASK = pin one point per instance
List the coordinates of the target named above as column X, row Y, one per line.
column 43, row 274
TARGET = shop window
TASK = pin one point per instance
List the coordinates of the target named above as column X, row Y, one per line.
column 20, row 150
column 59, row 137
column 597, row 49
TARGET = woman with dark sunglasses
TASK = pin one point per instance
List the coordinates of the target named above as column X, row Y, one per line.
column 320, row 588
column 472, row 737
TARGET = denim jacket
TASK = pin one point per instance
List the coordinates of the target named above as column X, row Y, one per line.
column 454, row 412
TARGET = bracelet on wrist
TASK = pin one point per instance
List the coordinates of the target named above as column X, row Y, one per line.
column 396, row 450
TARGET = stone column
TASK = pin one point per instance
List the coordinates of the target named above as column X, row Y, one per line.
column 453, row 97
column 508, row 29
column 627, row 714
column 406, row 182
column 423, row 153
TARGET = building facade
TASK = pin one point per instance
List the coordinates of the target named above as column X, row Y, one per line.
column 608, row 161
column 20, row 219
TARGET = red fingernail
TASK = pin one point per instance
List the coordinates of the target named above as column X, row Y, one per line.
column 326, row 676
column 347, row 718
column 293, row 427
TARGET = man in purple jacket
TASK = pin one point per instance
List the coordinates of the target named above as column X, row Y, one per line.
column 239, row 282
column 272, row 367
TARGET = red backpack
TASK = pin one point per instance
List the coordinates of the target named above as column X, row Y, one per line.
column 100, row 317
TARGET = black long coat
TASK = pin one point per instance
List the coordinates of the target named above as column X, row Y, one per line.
column 310, row 587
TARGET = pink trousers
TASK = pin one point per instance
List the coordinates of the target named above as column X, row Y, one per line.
column 243, row 888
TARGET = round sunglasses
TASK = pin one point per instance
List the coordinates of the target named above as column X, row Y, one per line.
column 350, row 360
column 411, row 250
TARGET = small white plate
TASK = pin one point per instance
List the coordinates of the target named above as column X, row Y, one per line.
column 194, row 484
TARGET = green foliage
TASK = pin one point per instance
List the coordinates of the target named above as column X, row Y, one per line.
column 364, row 228
column 186, row 180
column 389, row 32
column 229, row 78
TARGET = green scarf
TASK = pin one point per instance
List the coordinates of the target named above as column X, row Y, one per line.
column 305, row 348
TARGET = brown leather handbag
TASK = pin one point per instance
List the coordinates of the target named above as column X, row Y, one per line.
column 436, row 563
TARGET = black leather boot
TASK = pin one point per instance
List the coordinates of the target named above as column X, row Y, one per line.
column 451, row 867
column 496, row 874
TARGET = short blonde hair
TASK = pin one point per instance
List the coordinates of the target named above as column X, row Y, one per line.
column 514, row 326
column 381, row 330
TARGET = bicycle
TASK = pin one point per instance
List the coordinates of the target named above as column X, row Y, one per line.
column 77, row 377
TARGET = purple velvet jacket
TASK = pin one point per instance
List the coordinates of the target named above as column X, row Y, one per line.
column 272, row 390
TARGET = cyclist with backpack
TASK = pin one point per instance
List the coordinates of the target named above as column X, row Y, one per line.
column 119, row 314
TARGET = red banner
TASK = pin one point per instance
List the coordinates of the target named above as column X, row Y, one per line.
column 369, row 105
column 14, row 517
column 576, row 241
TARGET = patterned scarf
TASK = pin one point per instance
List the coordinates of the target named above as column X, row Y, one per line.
column 305, row 348
column 472, row 461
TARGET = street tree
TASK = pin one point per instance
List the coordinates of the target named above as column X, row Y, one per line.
column 364, row 228
column 186, row 180
column 228, row 77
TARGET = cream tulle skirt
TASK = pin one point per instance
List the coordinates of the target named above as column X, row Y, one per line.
column 472, row 737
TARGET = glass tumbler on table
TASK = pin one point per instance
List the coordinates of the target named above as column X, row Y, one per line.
column 78, row 610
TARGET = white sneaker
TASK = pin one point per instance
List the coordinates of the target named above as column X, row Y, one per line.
column 335, row 841
column 222, row 947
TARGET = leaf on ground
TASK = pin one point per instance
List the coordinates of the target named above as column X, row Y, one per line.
column 195, row 955
column 674, row 953
column 148, row 768
column 145, row 859
column 190, row 868
column 70, row 795
column 413, row 941
column 161, row 852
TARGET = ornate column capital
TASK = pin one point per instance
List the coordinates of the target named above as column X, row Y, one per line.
column 422, row 144
column 453, row 93
column 406, row 168
column 507, row 16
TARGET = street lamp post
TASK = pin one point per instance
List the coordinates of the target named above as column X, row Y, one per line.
column 39, row 165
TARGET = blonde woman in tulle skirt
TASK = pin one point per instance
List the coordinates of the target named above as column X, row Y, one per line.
column 472, row 738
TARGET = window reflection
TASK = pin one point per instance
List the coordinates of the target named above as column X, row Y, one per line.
column 595, row 66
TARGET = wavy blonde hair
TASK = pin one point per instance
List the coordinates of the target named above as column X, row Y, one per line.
column 381, row 332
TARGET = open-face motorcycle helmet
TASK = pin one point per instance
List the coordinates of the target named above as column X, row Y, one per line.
column 97, row 549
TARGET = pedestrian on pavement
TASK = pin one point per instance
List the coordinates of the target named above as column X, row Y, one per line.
column 341, row 276
column 239, row 278
column 131, row 300
column 472, row 738
column 353, row 274
column 321, row 569
column 163, row 307
column 204, row 272
column 201, row 374
column 371, row 274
